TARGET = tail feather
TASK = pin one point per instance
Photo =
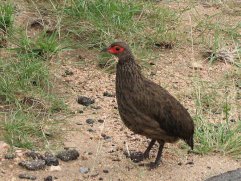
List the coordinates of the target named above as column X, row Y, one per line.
column 190, row 142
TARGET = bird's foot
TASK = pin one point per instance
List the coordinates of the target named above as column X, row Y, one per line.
column 154, row 165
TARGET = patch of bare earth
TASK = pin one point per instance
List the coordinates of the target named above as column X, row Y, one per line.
column 102, row 144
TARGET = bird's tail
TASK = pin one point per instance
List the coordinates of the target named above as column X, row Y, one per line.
column 190, row 142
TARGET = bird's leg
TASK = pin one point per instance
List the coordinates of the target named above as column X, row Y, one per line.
column 159, row 154
column 147, row 152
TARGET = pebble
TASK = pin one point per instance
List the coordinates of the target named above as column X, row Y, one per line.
column 55, row 168
column 85, row 101
column 33, row 165
column 91, row 130
column 68, row 155
column 26, row 176
column 106, row 138
column 108, row 94
column 106, row 171
column 68, row 72
column 48, row 178
column 81, row 111
column 84, row 170
column 50, row 159
column 33, row 155
column 100, row 120
column 90, row 121
column 10, row 156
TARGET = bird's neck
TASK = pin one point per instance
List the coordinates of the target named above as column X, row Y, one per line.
column 128, row 74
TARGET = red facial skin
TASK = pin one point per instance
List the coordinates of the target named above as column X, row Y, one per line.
column 115, row 49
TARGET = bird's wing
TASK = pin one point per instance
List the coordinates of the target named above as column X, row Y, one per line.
column 162, row 107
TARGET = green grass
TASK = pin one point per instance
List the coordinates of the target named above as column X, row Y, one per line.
column 6, row 16
column 222, row 134
column 218, row 33
column 141, row 23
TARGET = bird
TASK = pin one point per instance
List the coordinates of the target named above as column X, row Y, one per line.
column 145, row 107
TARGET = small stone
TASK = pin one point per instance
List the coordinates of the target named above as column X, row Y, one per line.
column 79, row 123
column 106, row 138
column 100, row 178
column 90, row 121
column 50, row 159
column 100, row 120
column 48, row 178
column 85, row 101
column 190, row 163
column 10, row 156
column 26, row 176
column 68, row 72
column 81, row 111
column 55, row 168
column 106, row 171
column 33, row 165
column 179, row 163
column 33, row 155
column 90, row 130
column 84, row 170
column 152, row 63
column 68, row 155
column 108, row 94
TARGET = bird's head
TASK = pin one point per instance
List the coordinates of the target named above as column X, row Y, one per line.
column 119, row 49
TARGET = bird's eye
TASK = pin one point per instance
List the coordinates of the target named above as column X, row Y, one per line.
column 117, row 48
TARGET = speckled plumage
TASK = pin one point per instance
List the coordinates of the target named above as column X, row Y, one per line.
column 148, row 109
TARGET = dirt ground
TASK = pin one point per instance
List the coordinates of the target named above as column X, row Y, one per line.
column 172, row 70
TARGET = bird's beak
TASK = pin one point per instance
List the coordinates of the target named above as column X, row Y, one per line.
column 104, row 50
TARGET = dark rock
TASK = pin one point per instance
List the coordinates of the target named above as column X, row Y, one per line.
column 100, row 120
column 90, row 130
column 84, row 170
column 107, row 138
column 234, row 175
column 179, row 163
column 68, row 155
column 81, row 111
column 90, row 121
column 48, row 178
column 100, row 178
column 106, row 171
column 68, row 72
column 10, row 156
column 26, row 176
column 85, row 101
column 33, row 164
column 108, row 94
column 190, row 163
column 50, row 159
column 79, row 123
column 34, row 155
column 90, row 153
